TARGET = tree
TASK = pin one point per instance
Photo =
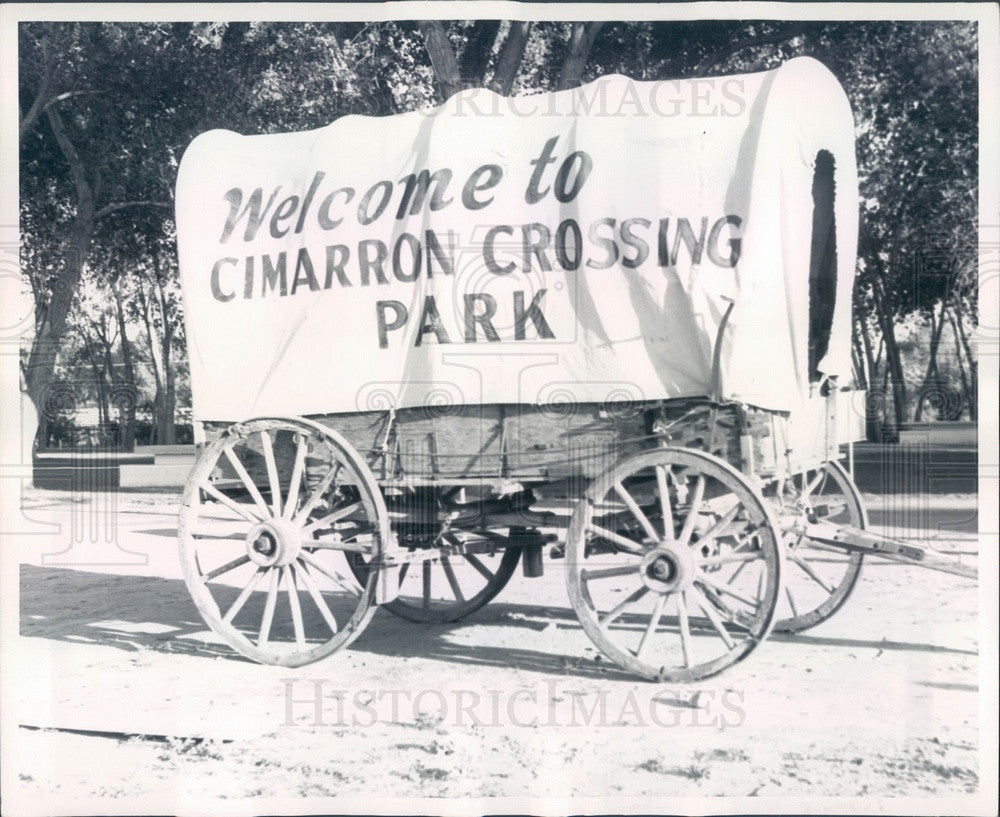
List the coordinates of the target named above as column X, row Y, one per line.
column 108, row 108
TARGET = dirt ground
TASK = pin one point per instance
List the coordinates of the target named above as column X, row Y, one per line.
column 124, row 699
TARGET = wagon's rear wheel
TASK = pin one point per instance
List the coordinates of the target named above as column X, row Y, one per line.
column 673, row 564
column 441, row 589
column 265, row 512
column 818, row 579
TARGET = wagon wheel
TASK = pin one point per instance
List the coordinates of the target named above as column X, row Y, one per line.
column 673, row 564
column 266, row 508
column 442, row 589
column 818, row 578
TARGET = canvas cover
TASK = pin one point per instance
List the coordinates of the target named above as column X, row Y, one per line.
column 578, row 245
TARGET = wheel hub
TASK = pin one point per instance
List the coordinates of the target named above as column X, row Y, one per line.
column 274, row 542
column 667, row 568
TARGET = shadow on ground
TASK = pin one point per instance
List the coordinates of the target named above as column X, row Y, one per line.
column 149, row 613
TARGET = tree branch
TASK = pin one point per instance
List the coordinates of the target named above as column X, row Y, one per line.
column 44, row 89
column 69, row 95
column 511, row 55
column 72, row 158
column 722, row 56
column 114, row 208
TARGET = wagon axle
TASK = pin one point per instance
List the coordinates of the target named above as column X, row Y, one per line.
column 265, row 544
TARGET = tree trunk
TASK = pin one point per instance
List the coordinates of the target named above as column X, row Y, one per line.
column 98, row 371
column 476, row 54
column 861, row 327
column 50, row 330
column 970, row 383
column 581, row 42
column 128, row 400
column 931, row 376
column 511, row 55
column 166, row 382
column 967, row 398
column 168, row 428
column 442, row 57
column 894, row 363
column 156, row 363
column 873, row 429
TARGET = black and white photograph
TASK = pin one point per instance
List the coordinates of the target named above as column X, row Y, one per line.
column 488, row 408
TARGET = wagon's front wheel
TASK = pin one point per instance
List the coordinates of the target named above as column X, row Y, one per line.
column 673, row 564
column 267, row 508
column 819, row 578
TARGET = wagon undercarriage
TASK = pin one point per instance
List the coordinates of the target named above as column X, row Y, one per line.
column 678, row 563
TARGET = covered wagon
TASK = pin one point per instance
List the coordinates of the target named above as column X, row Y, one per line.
column 612, row 321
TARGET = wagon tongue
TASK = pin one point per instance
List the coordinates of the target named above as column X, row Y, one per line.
column 854, row 539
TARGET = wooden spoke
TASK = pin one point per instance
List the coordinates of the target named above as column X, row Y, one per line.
column 332, row 575
column 609, row 572
column 791, row 601
column 484, row 571
column 295, row 481
column 317, row 494
column 422, row 599
column 317, row 597
column 333, row 517
column 621, row 607
column 729, row 558
column 245, row 477
column 272, row 600
column 726, row 520
column 235, row 563
column 713, row 616
column 719, row 588
column 627, row 544
column 349, row 534
column 241, row 599
column 654, row 620
column 293, row 599
column 684, row 626
column 452, row 580
column 272, row 472
column 664, row 491
column 805, row 567
column 693, row 508
column 245, row 511
column 740, row 569
column 816, row 483
column 633, row 506
column 746, row 538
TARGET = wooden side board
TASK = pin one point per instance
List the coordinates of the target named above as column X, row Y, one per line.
column 528, row 443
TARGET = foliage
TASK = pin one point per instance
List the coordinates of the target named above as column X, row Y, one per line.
column 107, row 110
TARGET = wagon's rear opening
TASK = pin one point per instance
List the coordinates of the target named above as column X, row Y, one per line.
column 822, row 263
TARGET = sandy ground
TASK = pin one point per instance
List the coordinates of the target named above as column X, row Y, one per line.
column 129, row 699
